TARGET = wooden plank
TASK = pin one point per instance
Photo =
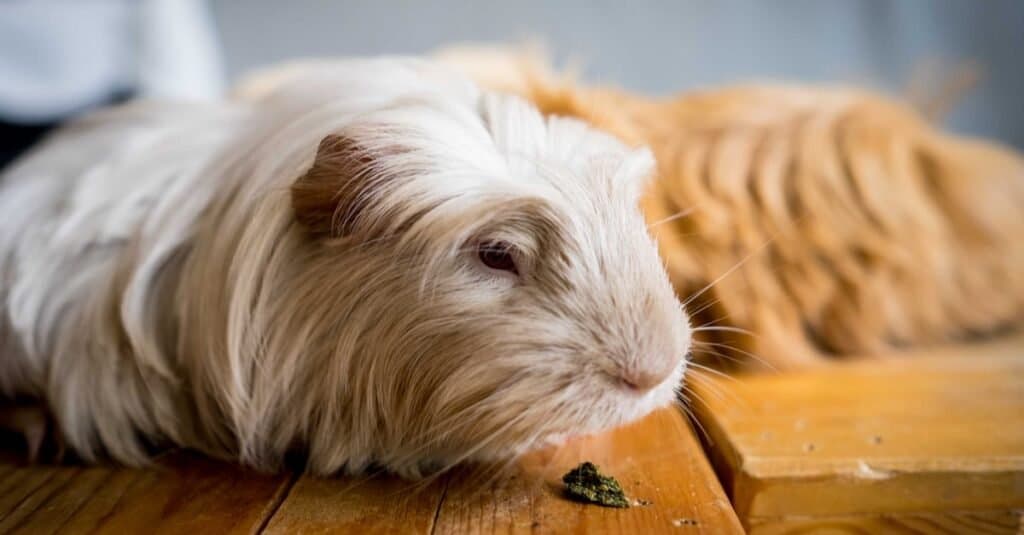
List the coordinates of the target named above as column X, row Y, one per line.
column 937, row 432
column 59, row 508
column 28, row 493
column 658, row 460
column 381, row 504
column 184, row 493
column 953, row 523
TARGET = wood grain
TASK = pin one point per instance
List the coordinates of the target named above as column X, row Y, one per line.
column 952, row 523
column 380, row 504
column 938, row 432
column 658, row 460
column 184, row 493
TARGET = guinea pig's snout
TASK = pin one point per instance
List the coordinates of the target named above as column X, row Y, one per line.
column 640, row 379
column 654, row 363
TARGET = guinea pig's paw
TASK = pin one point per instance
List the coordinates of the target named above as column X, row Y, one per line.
column 429, row 467
column 36, row 428
column 423, row 468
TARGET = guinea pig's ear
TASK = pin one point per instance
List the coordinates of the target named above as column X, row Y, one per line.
column 328, row 198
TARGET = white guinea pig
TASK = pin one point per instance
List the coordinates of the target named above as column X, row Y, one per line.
column 376, row 263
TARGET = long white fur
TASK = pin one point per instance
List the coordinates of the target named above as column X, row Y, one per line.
column 157, row 287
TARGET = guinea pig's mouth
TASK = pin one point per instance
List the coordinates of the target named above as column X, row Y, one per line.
column 629, row 389
column 623, row 407
column 634, row 390
column 620, row 404
column 610, row 406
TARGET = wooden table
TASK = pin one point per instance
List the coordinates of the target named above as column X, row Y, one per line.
column 928, row 443
column 932, row 443
column 657, row 460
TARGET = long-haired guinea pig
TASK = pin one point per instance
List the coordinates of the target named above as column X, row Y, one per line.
column 375, row 263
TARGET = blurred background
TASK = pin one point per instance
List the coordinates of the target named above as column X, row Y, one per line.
column 61, row 57
column 664, row 46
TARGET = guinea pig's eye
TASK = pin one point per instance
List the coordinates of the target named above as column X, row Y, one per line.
column 498, row 255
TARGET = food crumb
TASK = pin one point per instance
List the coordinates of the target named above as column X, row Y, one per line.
column 640, row 503
column 680, row 522
column 586, row 483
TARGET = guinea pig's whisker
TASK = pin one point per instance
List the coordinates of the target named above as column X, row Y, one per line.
column 724, row 328
column 711, row 327
column 743, row 352
column 722, row 390
column 678, row 215
column 714, row 321
column 705, row 383
column 686, row 234
column 740, row 351
column 704, row 307
column 685, row 408
column 712, row 391
column 710, row 351
column 729, row 271
column 717, row 395
column 700, row 369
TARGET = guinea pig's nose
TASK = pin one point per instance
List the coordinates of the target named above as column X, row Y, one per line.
column 642, row 380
